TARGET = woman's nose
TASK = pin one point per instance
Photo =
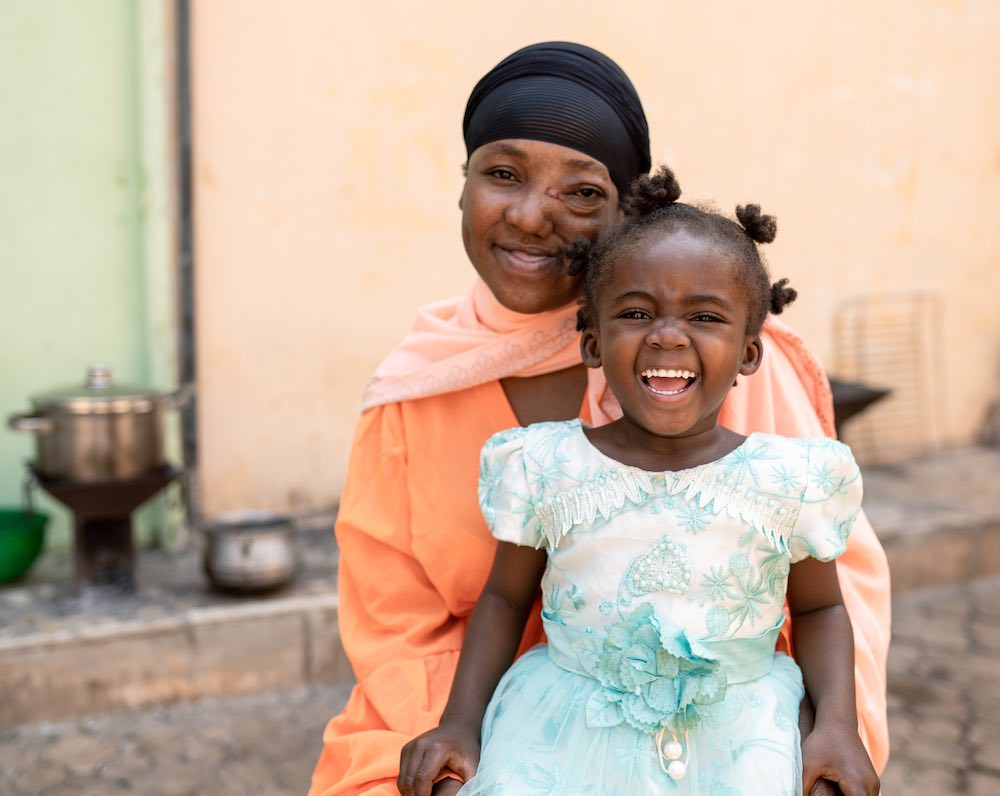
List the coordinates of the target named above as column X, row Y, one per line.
column 668, row 334
column 532, row 212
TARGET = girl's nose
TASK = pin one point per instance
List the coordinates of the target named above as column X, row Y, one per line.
column 668, row 334
column 532, row 211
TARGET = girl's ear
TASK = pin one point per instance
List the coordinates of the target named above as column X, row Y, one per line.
column 590, row 348
column 752, row 356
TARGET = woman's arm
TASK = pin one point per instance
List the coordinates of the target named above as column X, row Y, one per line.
column 491, row 641
column 398, row 631
column 824, row 649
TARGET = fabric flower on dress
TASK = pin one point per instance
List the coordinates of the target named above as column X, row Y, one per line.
column 653, row 675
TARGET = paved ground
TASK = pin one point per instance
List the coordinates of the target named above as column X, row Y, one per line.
column 944, row 706
column 944, row 693
column 266, row 745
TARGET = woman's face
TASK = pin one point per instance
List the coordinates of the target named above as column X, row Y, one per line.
column 522, row 203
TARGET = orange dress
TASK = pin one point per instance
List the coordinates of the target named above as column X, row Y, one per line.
column 415, row 553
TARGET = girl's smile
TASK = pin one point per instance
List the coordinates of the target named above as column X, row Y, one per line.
column 668, row 381
column 671, row 336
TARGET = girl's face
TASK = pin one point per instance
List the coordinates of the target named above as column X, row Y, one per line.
column 522, row 203
column 671, row 334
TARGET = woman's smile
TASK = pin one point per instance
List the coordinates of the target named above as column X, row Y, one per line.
column 529, row 259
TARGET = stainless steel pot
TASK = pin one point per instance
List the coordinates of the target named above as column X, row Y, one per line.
column 98, row 432
column 250, row 551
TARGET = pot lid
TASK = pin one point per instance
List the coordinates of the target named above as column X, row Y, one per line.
column 247, row 520
column 98, row 395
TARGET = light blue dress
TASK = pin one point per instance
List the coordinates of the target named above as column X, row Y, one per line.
column 662, row 601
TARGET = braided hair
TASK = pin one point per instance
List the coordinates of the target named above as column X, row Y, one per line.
column 651, row 207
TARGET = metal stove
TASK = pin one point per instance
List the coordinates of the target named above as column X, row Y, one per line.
column 103, row 547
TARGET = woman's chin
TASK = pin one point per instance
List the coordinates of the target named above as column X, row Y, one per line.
column 534, row 297
column 534, row 306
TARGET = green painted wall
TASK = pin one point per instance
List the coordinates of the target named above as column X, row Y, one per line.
column 84, row 223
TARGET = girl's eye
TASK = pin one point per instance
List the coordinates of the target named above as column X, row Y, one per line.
column 707, row 316
column 638, row 315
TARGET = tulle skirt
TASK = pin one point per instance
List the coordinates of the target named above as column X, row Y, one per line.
column 536, row 740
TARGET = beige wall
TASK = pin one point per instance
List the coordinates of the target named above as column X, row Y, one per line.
column 328, row 144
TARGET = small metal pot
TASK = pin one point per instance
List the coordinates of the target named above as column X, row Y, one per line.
column 100, row 432
column 250, row 551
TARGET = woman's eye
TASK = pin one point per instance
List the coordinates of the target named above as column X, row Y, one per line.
column 503, row 174
column 585, row 200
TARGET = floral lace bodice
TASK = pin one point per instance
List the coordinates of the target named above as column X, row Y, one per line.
column 708, row 548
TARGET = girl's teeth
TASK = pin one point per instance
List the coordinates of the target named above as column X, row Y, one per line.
column 668, row 381
column 668, row 374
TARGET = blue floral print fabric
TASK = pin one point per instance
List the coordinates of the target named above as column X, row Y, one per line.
column 662, row 599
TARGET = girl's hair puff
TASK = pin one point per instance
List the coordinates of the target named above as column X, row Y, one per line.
column 651, row 206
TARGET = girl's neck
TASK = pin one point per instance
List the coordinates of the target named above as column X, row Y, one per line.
column 629, row 444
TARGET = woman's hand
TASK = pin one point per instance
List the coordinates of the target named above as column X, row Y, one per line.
column 453, row 746
column 835, row 752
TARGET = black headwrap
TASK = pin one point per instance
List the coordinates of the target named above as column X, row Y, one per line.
column 565, row 94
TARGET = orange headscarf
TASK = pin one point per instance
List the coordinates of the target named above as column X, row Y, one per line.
column 462, row 342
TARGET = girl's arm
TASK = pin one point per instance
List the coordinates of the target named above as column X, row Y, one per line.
column 789, row 395
column 824, row 649
column 491, row 640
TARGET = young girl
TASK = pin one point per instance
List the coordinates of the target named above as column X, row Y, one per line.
column 665, row 546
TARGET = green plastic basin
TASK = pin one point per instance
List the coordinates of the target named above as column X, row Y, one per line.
column 21, row 538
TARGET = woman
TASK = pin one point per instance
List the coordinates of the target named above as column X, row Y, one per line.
column 554, row 134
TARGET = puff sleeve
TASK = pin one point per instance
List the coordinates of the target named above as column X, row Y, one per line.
column 831, row 501
column 505, row 494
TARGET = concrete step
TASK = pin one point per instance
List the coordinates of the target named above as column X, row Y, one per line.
column 62, row 656
column 938, row 517
column 175, row 639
